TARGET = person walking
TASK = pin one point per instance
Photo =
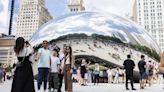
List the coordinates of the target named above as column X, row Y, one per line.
column 142, row 70
column 129, row 66
column 54, row 70
column 23, row 80
column 43, row 59
column 68, row 69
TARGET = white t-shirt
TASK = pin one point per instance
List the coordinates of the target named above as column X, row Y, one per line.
column 44, row 61
column 109, row 72
column 55, row 61
column 25, row 52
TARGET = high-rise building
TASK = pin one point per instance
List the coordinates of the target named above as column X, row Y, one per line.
column 76, row 5
column 150, row 15
column 32, row 15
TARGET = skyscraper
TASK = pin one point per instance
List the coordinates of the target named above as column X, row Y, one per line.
column 150, row 15
column 32, row 15
column 76, row 5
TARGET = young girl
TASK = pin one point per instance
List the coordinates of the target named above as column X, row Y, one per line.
column 54, row 69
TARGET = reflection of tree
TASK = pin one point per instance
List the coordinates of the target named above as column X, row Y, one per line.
column 106, row 39
column 151, row 52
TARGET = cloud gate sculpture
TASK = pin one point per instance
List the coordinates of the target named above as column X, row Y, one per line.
column 92, row 22
column 89, row 23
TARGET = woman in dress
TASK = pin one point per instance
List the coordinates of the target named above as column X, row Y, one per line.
column 68, row 69
column 23, row 76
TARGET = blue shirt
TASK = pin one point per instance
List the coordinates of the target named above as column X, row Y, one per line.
column 44, row 61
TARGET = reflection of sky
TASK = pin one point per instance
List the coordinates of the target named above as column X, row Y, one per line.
column 89, row 22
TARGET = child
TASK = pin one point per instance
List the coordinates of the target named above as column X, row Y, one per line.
column 54, row 70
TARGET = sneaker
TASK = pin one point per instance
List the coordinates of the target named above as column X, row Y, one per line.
column 127, row 88
column 133, row 89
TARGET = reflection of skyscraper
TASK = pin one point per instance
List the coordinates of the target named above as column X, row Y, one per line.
column 7, row 54
column 149, row 14
column 32, row 15
column 76, row 5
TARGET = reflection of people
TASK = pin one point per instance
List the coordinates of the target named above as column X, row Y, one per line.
column 23, row 77
column 129, row 66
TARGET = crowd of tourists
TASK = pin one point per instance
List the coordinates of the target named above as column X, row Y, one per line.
column 53, row 67
column 57, row 64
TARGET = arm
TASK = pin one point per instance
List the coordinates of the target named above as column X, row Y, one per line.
column 59, row 66
column 38, row 55
column 133, row 65
column 124, row 65
column 88, row 64
column 161, row 66
column 73, row 62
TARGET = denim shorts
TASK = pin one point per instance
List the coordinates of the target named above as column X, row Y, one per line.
column 143, row 76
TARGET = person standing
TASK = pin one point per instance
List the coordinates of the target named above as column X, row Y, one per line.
column 1, row 73
column 96, row 73
column 61, row 57
column 79, row 75
column 116, row 78
column 83, row 71
column 109, row 71
column 129, row 66
column 142, row 70
column 68, row 69
column 23, row 80
column 149, row 71
column 43, row 57
column 54, row 70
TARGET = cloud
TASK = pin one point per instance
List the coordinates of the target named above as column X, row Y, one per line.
column 4, row 16
column 59, row 7
column 119, row 7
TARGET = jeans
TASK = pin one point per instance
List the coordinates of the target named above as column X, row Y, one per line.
column 42, row 77
column 96, row 78
column 60, row 82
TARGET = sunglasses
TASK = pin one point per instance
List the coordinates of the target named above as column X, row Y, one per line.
column 45, row 43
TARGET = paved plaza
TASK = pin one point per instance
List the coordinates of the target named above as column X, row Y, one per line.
column 6, row 87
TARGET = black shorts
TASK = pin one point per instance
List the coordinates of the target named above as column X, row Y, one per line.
column 83, row 75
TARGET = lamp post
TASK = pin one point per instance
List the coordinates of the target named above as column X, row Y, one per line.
column 11, row 16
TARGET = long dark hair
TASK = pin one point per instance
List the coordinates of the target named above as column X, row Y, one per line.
column 70, row 56
column 19, row 44
column 56, row 51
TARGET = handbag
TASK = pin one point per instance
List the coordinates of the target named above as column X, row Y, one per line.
column 20, row 64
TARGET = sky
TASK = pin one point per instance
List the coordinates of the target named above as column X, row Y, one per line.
column 59, row 7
